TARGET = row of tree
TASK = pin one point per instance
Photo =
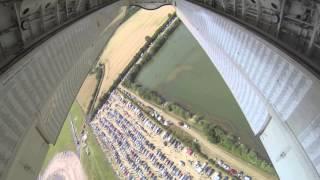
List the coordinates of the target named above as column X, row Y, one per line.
column 99, row 71
column 178, row 110
column 153, row 44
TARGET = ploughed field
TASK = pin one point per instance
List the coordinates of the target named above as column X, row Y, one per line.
column 183, row 73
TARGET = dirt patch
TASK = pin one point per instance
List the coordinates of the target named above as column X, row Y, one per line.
column 65, row 165
column 86, row 92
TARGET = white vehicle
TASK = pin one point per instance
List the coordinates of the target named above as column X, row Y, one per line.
column 216, row 176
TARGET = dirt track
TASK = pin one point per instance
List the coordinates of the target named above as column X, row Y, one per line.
column 213, row 151
column 65, row 165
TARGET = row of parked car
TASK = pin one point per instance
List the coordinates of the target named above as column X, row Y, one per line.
column 165, row 162
column 133, row 147
column 129, row 136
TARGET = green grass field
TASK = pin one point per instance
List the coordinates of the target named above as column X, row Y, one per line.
column 78, row 116
column 95, row 164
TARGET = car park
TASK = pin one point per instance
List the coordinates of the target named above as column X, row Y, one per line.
column 125, row 130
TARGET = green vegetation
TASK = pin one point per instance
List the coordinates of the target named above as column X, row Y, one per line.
column 178, row 110
column 217, row 135
column 95, row 162
column 144, row 93
column 215, row 132
column 99, row 71
column 76, row 114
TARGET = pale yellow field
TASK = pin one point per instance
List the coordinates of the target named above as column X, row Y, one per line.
column 127, row 41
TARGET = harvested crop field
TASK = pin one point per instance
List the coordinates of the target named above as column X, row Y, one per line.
column 127, row 41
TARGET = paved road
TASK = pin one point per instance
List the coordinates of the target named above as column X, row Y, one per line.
column 212, row 150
